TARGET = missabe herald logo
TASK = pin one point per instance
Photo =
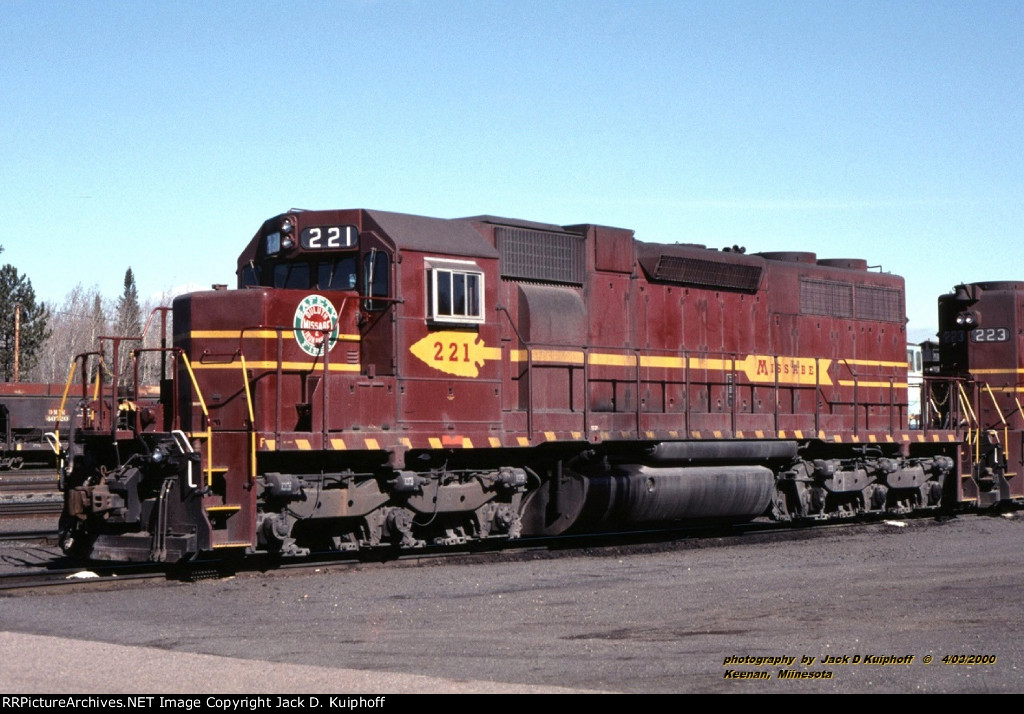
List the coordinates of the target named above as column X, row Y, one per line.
column 315, row 317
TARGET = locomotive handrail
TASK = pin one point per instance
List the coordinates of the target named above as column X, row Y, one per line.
column 856, row 394
column 730, row 387
column 279, row 330
column 64, row 398
column 115, row 370
column 135, row 373
column 252, row 422
column 185, row 447
column 965, row 405
column 83, row 356
column 1021, row 412
column 857, row 379
column 892, row 404
column 1006, row 436
column 639, row 388
column 686, row 401
column 529, row 369
column 775, row 396
column 206, row 417
column 115, row 374
column 730, row 365
column 999, row 411
column 946, row 411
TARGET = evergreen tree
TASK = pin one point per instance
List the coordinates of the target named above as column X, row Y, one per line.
column 18, row 298
column 97, row 327
column 129, row 323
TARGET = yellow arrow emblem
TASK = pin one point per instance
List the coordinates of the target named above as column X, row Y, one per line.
column 458, row 353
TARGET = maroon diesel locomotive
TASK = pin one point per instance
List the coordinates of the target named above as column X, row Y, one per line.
column 974, row 383
column 389, row 380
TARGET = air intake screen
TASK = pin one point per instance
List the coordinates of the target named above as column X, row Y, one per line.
column 539, row 255
column 865, row 302
column 708, row 273
column 825, row 297
column 875, row 303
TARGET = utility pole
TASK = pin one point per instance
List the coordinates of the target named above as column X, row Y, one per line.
column 17, row 337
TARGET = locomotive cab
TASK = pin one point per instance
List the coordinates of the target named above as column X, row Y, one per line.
column 323, row 257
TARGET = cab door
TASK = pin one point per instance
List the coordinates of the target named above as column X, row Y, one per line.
column 377, row 308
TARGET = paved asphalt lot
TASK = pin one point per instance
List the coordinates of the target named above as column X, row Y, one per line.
column 633, row 620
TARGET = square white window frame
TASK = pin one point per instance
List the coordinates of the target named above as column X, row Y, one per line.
column 466, row 267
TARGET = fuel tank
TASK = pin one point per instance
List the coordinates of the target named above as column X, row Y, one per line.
column 627, row 495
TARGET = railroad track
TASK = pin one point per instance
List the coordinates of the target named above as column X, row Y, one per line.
column 34, row 505
column 55, row 570
column 32, row 481
column 29, row 494
column 43, row 566
column 77, row 576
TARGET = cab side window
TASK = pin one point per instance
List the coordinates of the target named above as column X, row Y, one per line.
column 455, row 291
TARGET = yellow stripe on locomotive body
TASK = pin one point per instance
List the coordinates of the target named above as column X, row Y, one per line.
column 874, row 363
column 272, row 365
column 464, row 354
column 868, row 383
column 260, row 334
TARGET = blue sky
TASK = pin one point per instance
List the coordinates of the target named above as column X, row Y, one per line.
column 159, row 135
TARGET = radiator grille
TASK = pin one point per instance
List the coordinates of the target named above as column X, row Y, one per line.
column 708, row 273
column 540, row 255
column 836, row 299
column 826, row 297
column 877, row 303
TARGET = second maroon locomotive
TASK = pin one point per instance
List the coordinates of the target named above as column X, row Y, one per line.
column 381, row 379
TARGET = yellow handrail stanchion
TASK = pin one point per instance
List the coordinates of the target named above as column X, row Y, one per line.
column 965, row 405
column 206, row 414
column 252, row 422
column 64, row 398
column 999, row 412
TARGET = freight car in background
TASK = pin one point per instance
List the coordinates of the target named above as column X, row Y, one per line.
column 27, row 413
column 388, row 380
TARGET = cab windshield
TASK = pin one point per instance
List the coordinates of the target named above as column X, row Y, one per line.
column 337, row 274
